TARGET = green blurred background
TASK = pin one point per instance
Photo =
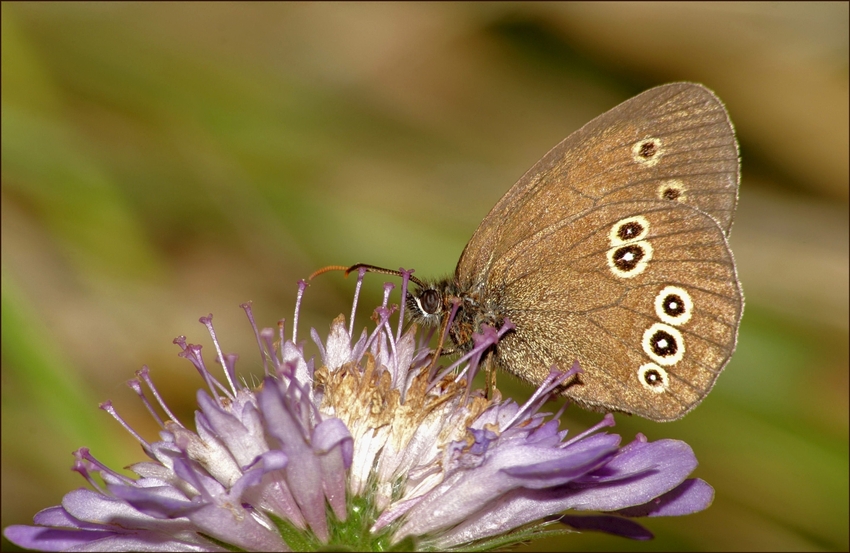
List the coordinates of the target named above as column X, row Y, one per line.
column 164, row 161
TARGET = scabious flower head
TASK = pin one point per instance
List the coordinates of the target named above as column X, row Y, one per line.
column 369, row 450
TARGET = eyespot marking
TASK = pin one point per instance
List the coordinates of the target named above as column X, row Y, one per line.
column 674, row 306
column 653, row 378
column 663, row 344
column 672, row 190
column 629, row 260
column 630, row 229
column 647, row 152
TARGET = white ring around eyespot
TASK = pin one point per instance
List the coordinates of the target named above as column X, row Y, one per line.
column 665, row 380
column 637, row 146
column 639, row 268
column 676, row 320
column 639, row 219
column 677, row 336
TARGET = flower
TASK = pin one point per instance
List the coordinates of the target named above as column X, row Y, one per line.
column 368, row 451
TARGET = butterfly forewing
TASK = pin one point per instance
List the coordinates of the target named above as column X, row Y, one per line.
column 695, row 161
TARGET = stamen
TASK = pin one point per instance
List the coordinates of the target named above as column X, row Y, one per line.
column 302, row 286
column 207, row 322
column 192, row 352
column 388, row 287
column 84, row 455
column 361, row 272
column 80, row 467
column 144, row 374
column 405, row 279
column 267, row 335
column 136, row 385
column 607, row 420
column 107, row 406
column 250, row 313
column 540, row 395
column 230, row 365
column 383, row 316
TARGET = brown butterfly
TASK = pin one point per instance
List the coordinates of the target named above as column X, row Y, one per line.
column 612, row 251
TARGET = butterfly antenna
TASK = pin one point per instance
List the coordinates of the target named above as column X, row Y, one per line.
column 382, row 270
column 327, row 270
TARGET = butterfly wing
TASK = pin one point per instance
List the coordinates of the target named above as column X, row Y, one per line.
column 597, row 249
column 650, row 336
column 674, row 142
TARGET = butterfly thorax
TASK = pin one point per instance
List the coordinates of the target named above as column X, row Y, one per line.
column 434, row 301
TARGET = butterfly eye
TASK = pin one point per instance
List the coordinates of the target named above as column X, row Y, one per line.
column 429, row 301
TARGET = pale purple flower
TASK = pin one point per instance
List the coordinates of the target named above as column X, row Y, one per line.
column 366, row 451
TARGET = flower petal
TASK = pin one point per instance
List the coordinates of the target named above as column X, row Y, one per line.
column 691, row 496
column 50, row 539
column 242, row 444
column 238, row 527
column 635, row 477
column 332, row 442
column 337, row 346
column 303, row 473
column 618, row 526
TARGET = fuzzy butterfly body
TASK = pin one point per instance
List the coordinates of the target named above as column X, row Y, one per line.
column 612, row 251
